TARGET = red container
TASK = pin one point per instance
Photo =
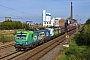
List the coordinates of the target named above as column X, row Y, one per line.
column 59, row 30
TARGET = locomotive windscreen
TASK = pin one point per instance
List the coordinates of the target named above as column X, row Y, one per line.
column 41, row 34
column 21, row 35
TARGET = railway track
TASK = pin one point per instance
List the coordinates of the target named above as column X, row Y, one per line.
column 6, row 46
column 47, row 49
column 37, row 52
column 11, row 55
column 40, row 51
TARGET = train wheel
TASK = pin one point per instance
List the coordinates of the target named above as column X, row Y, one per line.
column 17, row 49
column 25, row 49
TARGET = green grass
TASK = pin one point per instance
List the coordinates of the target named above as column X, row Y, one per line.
column 5, row 38
column 75, row 52
column 63, row 57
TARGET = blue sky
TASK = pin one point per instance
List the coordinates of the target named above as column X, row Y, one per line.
column 32, row 9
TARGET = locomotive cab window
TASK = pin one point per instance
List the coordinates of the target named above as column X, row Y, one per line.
column 42, row 34
column 21, row 36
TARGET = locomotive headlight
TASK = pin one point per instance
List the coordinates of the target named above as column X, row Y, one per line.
column 26, row 42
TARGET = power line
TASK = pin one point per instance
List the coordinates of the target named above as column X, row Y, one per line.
column 16, row 10
column 15, row 17
column 9, row 15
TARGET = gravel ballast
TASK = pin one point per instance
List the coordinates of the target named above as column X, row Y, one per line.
column 52, row 55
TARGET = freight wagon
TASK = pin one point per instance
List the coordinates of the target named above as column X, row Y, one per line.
column 30, row 39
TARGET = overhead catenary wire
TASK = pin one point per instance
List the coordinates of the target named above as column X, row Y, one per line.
column 14, row 17
column 23, row 18
column 9, row 15
column 17, row 10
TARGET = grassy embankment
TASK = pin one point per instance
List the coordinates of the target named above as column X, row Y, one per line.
column 6, row 36
column 75, row 52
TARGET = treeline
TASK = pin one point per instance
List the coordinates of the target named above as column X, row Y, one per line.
column 9, row 24
column 83, row 38
column 80, row 45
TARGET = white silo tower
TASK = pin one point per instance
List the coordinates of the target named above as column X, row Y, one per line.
column 44, row 17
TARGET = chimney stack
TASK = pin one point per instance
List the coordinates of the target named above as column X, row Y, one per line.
column 71, row 12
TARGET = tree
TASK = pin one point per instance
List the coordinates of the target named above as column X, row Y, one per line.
column 84, row 37
column 8, row 25
column 88, row 21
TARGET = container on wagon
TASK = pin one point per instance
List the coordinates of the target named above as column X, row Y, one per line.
column 47, row 33
column 41, row 34
column 51, row 31
column 55, row 31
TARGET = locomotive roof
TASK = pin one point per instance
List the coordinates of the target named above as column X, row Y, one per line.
column 25, row 31
column 40, row 31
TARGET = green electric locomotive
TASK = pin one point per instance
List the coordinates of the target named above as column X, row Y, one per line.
column 30, row 39
column 24, row 39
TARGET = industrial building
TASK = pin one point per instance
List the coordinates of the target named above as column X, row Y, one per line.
column 46, row 18
column 7, row 18
column 57, row 21
column 47, row 21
